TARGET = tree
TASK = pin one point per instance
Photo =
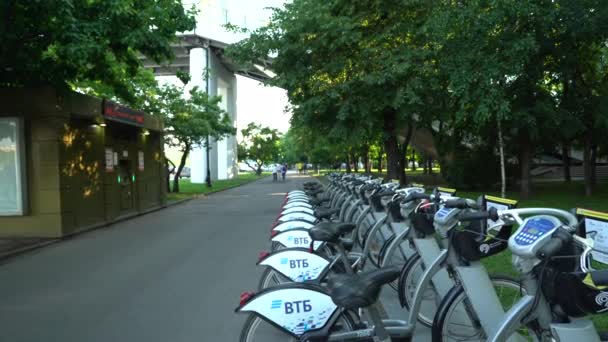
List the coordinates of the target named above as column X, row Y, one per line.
column 188, row 121
column 65, row 42
column 349, row 68
column 260, row 146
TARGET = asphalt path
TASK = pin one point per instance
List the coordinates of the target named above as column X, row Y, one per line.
column 171, row 275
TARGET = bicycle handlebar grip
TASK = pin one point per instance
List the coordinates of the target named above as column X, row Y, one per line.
column 460, row 203
column 550, row 248
column 491, row 214
column 599, row 277
column 416, row 196
column 558, row 240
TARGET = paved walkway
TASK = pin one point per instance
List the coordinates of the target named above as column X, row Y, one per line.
column 172, row 275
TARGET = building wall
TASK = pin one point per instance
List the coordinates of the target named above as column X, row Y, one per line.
column 68, row 186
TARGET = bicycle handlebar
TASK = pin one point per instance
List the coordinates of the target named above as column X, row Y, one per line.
column 461, row 203
column 416, row 196
column 559, row 239
column 572, row 222
column 491, row 214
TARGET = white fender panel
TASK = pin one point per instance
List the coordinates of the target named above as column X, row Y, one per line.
column 295, row 197
column 298, row 209
column 298, row 216
column 296, row 310
column 297, row 201
column 296, row 238
column 292, row 225
column 297, row 265
column 297, row 204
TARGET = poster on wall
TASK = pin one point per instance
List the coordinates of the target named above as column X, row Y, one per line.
column 140, row 159
column 109, row 160
column 115, row 158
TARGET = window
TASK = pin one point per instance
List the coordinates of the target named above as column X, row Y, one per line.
column 11, row 166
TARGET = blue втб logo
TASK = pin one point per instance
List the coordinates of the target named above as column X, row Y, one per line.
column 276, row 304
column 289, row 238
column 284, row 261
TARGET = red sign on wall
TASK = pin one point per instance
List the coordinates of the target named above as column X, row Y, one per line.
column 114, row 111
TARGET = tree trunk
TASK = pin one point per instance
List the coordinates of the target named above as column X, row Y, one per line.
column 365, row 155
column 258, row 171
column 587, row 144
column 594, row 165
column 425, row 165
column 402, row 164
column 380, row 160
column 503, row 174
column 391, row 146
column 348, row 170
column 403, row 151
column 525, row 158
column 430, row 163
column 355, row 160
column 566, row 159
column 168, row 173
column 178, row 172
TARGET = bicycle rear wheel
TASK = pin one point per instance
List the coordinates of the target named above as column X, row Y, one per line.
column 270, row 278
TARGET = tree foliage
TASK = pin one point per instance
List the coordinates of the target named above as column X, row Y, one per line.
column 260, row 146
column 357, row 73
column 190, row 121
column 63, row 42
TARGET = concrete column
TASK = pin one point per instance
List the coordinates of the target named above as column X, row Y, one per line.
column 198, row 159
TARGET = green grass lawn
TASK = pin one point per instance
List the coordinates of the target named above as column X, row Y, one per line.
column 188, row 189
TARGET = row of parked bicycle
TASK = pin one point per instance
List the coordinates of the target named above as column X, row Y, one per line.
column 335, row 247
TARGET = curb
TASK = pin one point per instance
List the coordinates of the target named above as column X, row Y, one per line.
column 28, row 248
column 24, row 249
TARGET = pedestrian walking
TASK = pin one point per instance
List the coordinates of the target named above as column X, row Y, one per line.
column 278, row 169
column 283, row 171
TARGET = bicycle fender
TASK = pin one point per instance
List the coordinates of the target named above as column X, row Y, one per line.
column 297, row 210
column 292, row 225
column 297, row 237
column 297, row 204
column 297, row 216
column 294, row 308
column 297, row 264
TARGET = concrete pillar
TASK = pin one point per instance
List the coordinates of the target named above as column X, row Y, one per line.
column 198, row 158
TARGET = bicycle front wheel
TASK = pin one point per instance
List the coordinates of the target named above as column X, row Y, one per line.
column 256, row 329
column 457, row 321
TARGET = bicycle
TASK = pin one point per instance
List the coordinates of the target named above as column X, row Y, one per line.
column 562, row 288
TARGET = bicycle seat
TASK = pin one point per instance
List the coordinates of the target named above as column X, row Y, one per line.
column 353, row 291
column 313, row 192
column 330, row 231
column 326, row 213
column 318, row 201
